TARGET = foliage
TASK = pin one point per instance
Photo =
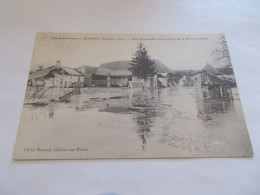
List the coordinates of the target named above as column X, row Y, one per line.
column 221, row 55
column 141, row 65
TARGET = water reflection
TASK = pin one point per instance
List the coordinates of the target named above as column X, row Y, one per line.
column 207, row 110
column 173, row 117
column 42, row 112
column 145, row 113
column 148, row 108
column 51, row 112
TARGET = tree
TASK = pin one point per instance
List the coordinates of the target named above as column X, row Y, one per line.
column 221, row 55
column 141, row 64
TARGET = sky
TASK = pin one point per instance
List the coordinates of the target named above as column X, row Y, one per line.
column 178, row 52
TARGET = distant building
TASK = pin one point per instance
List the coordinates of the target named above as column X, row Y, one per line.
column 186, row 81
column 57, row 76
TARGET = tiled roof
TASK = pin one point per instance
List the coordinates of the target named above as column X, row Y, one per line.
column 88, row 71
column 41, row 73
column 44, row 72
column 71, row 71
column 209, row 69
column 124, row 65
column 219, row 79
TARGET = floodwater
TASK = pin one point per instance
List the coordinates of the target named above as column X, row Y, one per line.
column 162, row 123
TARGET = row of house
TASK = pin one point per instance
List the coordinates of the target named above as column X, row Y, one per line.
column 85, row 76
column 114, row 74
column 209, row 82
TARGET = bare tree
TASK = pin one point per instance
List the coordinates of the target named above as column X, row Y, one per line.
column 221, row 55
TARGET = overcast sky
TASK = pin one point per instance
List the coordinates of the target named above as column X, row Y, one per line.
column 178, row 52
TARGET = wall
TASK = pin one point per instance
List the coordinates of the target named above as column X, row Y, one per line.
column 67, row 80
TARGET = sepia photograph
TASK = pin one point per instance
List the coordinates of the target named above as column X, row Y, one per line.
column 107, row 96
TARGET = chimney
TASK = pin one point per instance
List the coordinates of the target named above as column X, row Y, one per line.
column 58, row 63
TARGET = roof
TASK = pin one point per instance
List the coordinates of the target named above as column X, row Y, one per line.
column 117, row 65
column 45, row 71
column 41, row 73
column 161, row 75
column 162, row 68
column 88, row 71
column 219, row 79
column 105, row 72
column 209, row 69
column 229, row 78
column 125, row 65
column 71, row 71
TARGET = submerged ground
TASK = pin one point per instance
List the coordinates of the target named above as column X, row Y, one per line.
column 162, row 123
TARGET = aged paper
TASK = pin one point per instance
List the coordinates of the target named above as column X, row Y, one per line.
column 95, row 96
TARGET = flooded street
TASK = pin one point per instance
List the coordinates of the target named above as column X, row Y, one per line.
column 166, row 122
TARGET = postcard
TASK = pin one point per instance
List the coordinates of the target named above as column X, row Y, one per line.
column 116, row 96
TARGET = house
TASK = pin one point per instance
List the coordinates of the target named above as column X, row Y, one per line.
column 88, row 72
column 111, row 78
column 56, row 76
column 68, row 77
column 164, row 78
column 161, row 79
column 42, row 77
column 210, row 84
column 186, row 81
